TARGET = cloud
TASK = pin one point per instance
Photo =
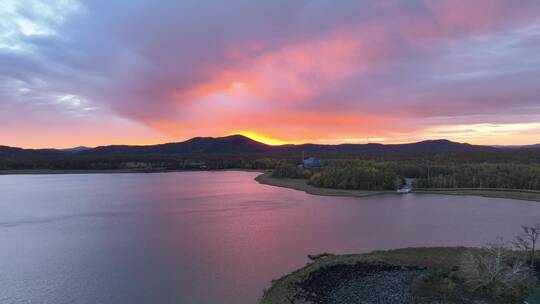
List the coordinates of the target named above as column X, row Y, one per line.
column 291, row 71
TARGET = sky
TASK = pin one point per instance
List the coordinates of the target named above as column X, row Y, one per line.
column 102, row 72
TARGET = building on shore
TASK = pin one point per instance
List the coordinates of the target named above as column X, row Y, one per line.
column 312, row 162
column 408, row 187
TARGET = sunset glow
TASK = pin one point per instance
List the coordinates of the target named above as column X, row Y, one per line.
column 261, row 138
column 89, row 73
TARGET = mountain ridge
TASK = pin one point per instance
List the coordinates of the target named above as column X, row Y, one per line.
column 510, row 147
column 239, row 144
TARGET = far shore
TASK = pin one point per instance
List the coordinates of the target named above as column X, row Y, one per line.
column 302, row 185
column 111, row 171
column 72, row 171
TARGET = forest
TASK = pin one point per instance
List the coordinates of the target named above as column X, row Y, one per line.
column 389, row 175
column 504, row 169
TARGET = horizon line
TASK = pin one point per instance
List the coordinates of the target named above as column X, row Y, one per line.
column 283, row 143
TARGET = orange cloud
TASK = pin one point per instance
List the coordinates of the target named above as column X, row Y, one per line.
column 294, row 72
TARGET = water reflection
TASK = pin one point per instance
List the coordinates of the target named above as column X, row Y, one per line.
column 206, row 237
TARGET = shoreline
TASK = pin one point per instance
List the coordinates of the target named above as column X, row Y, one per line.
column 70, row 171
column 302, row 185
column 111, row 171
column 266, row 178
column 533, row 196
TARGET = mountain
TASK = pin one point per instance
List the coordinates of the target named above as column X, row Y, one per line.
column 238, row 144
column 438, row 146
column 10, row 152
column 428, row 146
column 203, row 145
column 76, row 149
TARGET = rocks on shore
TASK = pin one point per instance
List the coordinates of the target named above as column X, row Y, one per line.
column 360, row 283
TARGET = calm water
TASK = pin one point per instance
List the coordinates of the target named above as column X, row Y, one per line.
column 203, row 237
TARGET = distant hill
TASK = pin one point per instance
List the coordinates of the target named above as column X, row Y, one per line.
column 238, row 144
column 76, row 149
column 10, row 152
column 537, row 146
column 429, row 146
column 207, row 145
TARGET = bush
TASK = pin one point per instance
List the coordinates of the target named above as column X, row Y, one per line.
column 496, row 274
column 438, row 285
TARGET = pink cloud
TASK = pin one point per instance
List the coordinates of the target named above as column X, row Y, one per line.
column 292, row 70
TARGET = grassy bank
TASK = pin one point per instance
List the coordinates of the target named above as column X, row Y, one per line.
column 284, row 289
column 302, row 185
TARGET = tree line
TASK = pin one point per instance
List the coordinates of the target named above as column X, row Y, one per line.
column 164, row 162
column 344, row 172
column 389, row 175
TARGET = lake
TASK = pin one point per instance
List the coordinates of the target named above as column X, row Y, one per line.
column 207, row 237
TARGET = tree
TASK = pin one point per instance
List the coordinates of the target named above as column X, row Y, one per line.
column 528, row 239
column 494, row 273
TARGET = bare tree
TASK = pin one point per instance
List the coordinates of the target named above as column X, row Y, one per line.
column 492, row 270
column 528, row 239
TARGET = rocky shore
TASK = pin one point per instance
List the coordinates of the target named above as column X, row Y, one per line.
column 364, row 283
column 401, row 276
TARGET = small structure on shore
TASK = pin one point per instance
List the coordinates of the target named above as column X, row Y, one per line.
column 404, row 190
column 312, row 162
column 407, row 188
